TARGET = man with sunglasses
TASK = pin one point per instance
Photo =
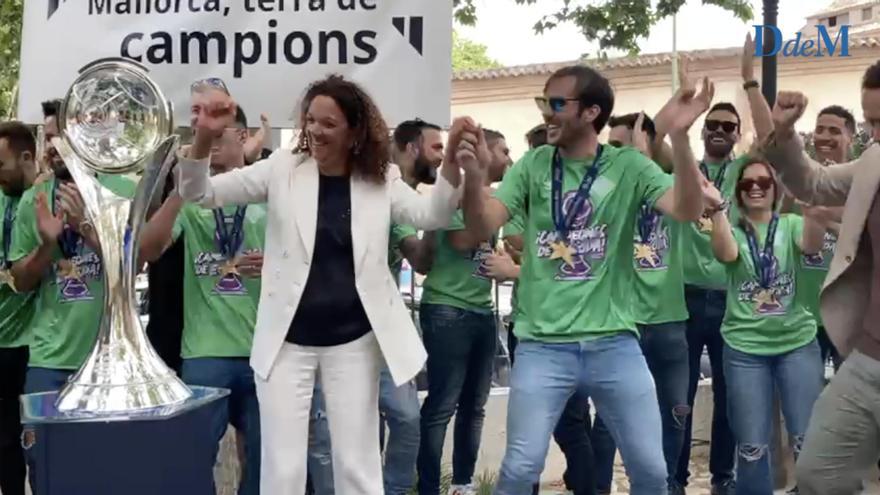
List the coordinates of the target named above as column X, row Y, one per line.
column 577, row 331
column 705, row 296
column 223, row 260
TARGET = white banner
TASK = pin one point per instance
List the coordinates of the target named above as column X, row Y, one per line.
column 267, row 51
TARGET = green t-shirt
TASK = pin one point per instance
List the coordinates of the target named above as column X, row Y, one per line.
column 811, row 275
column 221, row 307
column 16, row 309
column 767, row 321
column 68, row 303
column 659, row 281
column 398, row 233
column 588, row 295
column 514, row 227
column 695, row 238
column 458, row 279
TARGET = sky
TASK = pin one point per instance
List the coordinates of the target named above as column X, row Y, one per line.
column 506, row 29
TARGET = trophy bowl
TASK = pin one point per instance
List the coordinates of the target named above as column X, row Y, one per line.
column 115, row 120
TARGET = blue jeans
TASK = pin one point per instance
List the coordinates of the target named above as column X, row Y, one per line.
column 665, row 348
column 798, row 376
column 611, row 370
column 461, row 347
column 242, row 411
column 320, row 456
column 706, row 309
column 399, row 407
column 572, row 434
column 38, row 380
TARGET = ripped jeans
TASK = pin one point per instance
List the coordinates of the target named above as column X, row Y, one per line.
column 798, row 378
column 666, row 350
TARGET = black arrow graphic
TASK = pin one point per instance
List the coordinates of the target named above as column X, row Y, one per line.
column 416, row 30
column 53, row 6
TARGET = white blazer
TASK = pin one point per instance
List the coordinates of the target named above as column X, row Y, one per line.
column 288, row 183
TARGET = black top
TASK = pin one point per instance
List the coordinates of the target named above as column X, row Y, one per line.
column 330, row 311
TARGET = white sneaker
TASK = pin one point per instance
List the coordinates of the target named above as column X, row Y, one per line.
column 462, row 490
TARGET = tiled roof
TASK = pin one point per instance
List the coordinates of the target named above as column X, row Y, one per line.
column 646, row 60
column 840, row 6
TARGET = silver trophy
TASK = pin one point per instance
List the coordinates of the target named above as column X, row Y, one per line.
column 115, row 120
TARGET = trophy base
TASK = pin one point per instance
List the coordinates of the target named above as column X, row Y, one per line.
column 88, row 399
column 139, row 453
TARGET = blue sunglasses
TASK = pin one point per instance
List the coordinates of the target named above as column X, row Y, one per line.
column 552, row 105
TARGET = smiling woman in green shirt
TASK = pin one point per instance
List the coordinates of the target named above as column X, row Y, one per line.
column 769, row 334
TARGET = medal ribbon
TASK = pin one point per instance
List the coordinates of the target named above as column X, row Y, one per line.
column 229, row 241
column 8, row 221
column 69, row 241
column 563, row 222
column 646, row 222
column 719, row 179
column 762, row 259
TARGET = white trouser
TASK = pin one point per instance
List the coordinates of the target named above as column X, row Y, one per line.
column 349, row 375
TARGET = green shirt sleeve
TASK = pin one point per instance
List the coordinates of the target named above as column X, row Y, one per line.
column 513, row 192
column 25, row 237
column 400, row 232
column 651, row 181
column 457, row 222
column 516, row 226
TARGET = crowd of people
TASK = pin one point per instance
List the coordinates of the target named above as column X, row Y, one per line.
column 273, row 274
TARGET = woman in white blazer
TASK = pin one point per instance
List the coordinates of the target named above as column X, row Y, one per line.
column 329, row 307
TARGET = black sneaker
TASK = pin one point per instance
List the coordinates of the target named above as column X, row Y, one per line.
column 725, row 488
column 793, row 491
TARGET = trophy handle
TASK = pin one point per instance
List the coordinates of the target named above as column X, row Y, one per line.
column 153, row 177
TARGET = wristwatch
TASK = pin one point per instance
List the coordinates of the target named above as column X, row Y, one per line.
column 750, row 84
column 85, row 226
column 723, row 207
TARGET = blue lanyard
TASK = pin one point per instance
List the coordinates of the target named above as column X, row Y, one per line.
column 229, row 241
column 8, row 221
column 647, row 222
column 719, row 179
column 762, row 259
column 69, row 241
column 563, row 221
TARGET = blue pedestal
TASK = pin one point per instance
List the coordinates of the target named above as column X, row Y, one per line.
column 165, row 451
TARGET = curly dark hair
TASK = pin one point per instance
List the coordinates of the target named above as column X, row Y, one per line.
column 369, row 155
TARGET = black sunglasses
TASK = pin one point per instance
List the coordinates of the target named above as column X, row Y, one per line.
column 763, row 183
column 552, row 105
column 728, row 127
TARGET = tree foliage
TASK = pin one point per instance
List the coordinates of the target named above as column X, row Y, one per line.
column 615, row 24
column 10, row 45
column 470, row 55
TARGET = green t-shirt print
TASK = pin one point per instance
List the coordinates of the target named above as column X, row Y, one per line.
column 700, row 267
column 221, row 306
column 69, row 301
column 589, row 295
column 399, row 232
column 772, row 320
column 659, row 280
column 16, row 310
column 811, row 275
column 458, row 278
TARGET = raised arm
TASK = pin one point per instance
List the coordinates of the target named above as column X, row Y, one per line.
column 157, row 233
column 723, row 243
column 762, row 119
column 808, row 180
column 240, row 186
column 813, row 236
column 684, row 201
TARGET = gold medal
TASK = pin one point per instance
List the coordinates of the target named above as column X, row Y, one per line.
column 229, row 268
column 706, row 225
column 561, row 250
column 764, row 297
column 6, row 279
column 647, row 253
column 68, row 270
